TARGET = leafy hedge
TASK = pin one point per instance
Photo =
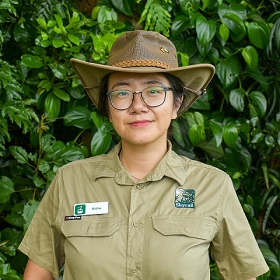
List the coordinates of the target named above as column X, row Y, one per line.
column 47, row 120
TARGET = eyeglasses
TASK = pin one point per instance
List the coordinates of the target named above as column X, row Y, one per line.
column 151, row 96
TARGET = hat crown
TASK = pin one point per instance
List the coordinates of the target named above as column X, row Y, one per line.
column 143, row 49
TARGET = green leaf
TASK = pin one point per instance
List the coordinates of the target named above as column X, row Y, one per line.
column 46, row 141
column 176, row 132
column 42, row 22
column 205, row 4
column 69, row 154
column 59, row 71
column 61, row 94
column 205, row 30
column 19, row 154
column 45, row 84
column 234, row 17
column 251, row 57
column 57, row 43
column 217, row 131
column 184, row 58
column 43, row 166
column 79, row 117
column 211, row 148
column 60, row 24
column 190, row 118
column 106, row 14
column 224, row 32
column 196, row 134
column 236, row 25
column 179, row 25
column 15, row 219
column 32, row 61
column 269, row 141
column 246, row 159
column 259, row 34
column 230, row 134
column 199, row 118
column 97, row 120
column 258, row 102
column 123, row 6
column 38, row 181
column 100, row 143
column 228, row 71
column 236, row 99
column 21, row 34
column 29, row 211
column 257, row 137
column 52, row 105
column 74, row 39
column 7, row 273
column 6, row 189
column 75, row 19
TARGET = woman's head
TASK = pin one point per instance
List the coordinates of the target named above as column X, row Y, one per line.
column 140, row 106
column 145, row 52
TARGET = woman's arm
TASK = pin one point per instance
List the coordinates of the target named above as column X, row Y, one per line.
column 35, row 272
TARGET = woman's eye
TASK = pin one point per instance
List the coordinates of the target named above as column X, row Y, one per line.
column 121, row 93
column 155, row 90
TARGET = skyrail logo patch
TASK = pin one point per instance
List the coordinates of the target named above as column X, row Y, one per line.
column 184, row 198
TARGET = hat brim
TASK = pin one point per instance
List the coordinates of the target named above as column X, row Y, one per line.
column 195, row 77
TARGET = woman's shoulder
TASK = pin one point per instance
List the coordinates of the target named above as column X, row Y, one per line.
column 188, row 163
column 90, row 162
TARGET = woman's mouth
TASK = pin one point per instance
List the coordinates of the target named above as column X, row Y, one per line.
column 140, row 123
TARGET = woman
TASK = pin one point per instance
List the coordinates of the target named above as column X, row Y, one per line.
column 141, row 211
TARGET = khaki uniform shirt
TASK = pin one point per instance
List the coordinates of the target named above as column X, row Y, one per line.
column 162, row 227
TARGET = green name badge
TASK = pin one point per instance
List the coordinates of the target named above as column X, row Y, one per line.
column 94, row 208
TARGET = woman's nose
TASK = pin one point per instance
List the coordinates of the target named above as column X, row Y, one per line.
column 138, row 103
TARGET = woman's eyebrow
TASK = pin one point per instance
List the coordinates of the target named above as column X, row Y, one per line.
column 120, row 84
column 148, row 82
column 154, row 82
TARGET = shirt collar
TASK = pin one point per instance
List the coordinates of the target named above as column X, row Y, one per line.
column 172, row 165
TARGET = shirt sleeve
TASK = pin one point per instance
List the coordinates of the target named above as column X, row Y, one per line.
column 43, row 243
column 234, row 247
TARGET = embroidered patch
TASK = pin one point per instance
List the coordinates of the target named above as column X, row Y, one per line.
column 184, row 198
column 71, row 218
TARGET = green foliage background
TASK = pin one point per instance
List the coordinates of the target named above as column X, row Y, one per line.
column 46, row 119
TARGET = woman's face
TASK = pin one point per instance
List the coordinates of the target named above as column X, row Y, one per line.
column 141, row 124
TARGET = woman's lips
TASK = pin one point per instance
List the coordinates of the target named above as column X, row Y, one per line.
column 140, row 123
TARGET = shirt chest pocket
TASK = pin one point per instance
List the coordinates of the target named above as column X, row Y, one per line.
column 92, row 242
column 190, row 226
column 91, row 227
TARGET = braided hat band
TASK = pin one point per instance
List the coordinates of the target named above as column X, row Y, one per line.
column 142, row 63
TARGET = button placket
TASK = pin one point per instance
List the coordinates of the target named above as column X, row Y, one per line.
column 135, row 233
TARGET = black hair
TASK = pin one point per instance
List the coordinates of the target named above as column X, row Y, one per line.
column 175, row 84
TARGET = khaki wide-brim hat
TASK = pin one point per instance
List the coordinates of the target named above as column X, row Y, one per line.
column 145, row 52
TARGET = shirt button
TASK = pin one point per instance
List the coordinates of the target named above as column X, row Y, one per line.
column 133, row 269
column 135, row 224
column 138, row 187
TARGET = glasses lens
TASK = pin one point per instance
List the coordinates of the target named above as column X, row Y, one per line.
column 154, row 96
column 121, row 99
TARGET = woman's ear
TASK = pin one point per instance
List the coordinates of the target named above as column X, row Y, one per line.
column 177, row 105
column 178, row 102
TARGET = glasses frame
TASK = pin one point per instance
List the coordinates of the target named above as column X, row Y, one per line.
column 165, row 88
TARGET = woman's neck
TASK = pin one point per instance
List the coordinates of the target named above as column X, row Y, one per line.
column 139, row 161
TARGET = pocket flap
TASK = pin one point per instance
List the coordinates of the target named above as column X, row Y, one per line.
column 103, row 227
column 197, row 227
